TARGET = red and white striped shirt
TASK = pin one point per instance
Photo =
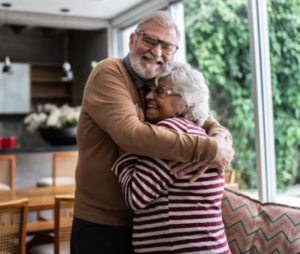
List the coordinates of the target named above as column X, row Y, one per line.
column 171, row 215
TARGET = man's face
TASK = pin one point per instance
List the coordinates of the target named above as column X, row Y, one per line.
column 149, row 62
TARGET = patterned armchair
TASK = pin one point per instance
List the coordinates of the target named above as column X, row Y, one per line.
column 255, row 227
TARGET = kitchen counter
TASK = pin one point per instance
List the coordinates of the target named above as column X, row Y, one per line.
column 38, row 149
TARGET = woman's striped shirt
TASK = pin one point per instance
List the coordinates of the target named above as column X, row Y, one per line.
column 171, row 215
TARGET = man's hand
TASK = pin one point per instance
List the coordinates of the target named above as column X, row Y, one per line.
column 224, row 156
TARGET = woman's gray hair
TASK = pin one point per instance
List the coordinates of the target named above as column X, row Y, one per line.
column 160, row 17
column 190, row 83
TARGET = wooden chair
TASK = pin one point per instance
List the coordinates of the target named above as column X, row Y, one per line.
column 63, row 173
column 63, row 223
column 63, row 169
column 63, row 217
column 7, row 171
column 229, row 176
column 13, row 220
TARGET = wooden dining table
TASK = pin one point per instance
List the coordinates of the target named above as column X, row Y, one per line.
column 38, row 199
column 44, row 199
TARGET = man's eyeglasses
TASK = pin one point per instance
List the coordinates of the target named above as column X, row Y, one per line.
column 161, row 91
column 151, row 42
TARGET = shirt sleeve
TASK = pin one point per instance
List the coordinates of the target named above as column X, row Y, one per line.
column 143, row 179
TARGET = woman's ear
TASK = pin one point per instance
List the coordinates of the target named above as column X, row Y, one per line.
column 182, row 107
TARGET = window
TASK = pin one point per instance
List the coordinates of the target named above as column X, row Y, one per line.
column 125, row 34
column 284, row 40
column 218, row 42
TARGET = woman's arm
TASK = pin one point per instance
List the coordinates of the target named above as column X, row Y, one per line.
column 143, row 179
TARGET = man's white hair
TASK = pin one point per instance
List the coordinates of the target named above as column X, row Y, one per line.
column 160, row 17
column 190, row 83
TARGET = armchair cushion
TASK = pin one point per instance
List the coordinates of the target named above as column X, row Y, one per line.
column 255, row 227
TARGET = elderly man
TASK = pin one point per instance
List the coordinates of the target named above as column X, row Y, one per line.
column 109, row 125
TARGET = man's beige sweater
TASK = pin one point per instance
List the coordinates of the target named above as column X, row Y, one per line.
column 107, row 127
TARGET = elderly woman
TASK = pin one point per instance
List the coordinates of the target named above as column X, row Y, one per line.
column 170, row 214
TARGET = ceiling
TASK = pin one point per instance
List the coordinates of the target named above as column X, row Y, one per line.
column 101, row 9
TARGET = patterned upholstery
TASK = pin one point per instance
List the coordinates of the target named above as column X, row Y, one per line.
column 253, row 227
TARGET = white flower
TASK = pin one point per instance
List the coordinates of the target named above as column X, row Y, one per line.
column 53, row 116
column 48, row 108
column 34, row 120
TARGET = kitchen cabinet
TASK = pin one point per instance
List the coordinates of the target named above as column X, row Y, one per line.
column 47, row 85
column 15, row 89
column 32, row 84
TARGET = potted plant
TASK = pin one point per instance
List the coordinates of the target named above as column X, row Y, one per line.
column 56, row 125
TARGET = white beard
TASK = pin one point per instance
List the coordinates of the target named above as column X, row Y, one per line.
column 149, row 72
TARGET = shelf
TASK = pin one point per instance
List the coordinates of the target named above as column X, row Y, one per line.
column 52, row 96
column 50, row 80
column 47, row 85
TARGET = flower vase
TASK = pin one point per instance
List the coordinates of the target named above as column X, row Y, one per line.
column 59, row 136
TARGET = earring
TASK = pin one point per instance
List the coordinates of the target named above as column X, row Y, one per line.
column 176, row 115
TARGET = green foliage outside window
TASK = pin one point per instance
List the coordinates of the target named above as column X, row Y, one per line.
column 217, row 39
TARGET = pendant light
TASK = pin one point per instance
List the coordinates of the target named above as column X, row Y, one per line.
column 7, row 65
column 68, row 74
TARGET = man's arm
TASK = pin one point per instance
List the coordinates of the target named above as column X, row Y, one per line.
column 108, row 101
column 224, row 155
column 213, row 128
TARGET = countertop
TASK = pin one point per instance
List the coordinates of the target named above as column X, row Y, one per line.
column 38, row 149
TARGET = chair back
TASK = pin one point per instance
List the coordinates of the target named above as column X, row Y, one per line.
column 64, row 165
column 63, row 217
column 7, row 171
column 229, row 176
column 13, row 220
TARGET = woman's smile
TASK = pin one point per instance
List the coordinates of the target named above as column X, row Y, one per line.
column 151, row 106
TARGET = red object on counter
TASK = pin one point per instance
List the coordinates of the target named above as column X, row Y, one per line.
column 1, row 142
column 8, row 142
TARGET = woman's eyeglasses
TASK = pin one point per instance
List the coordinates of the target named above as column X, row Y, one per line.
column 151, row 42
column 161, row 91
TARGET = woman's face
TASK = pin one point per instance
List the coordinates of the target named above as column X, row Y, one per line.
column 162, row 103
